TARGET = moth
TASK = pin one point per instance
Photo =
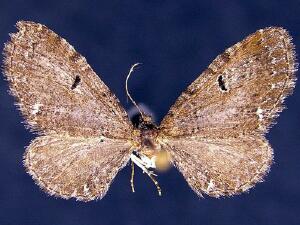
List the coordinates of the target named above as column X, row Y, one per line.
column 214, row 134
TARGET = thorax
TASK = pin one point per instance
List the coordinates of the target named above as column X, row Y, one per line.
column 150, row 150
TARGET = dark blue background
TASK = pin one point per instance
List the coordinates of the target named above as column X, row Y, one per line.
column 175, row 41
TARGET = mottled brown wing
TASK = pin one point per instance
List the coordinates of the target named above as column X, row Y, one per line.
column 78, row 167
column 221, row 166
column 63, row 99
column 241, row 92
column 56, row 90
column 215, row 130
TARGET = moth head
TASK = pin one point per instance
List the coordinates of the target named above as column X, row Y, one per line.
column 147, row 119
column 143, row 121
column 146, row 123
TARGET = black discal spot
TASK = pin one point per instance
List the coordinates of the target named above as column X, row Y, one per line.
column 221, row 83
column 76, row 82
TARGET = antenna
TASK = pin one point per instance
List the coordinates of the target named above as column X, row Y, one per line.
column 127, row 92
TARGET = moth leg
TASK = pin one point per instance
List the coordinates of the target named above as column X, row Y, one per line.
column 132, row 176
column 156, row 184
column 140, row 163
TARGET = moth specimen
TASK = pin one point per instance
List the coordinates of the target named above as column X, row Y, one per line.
column 214, row 133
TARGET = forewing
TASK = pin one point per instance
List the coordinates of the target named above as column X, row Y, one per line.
column 219, row 167
column 241, row 92
column 56, row 89
column 82, row 168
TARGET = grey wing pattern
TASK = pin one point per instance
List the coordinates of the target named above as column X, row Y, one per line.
column 74, row 167
column 227, row 110
column 56, row 90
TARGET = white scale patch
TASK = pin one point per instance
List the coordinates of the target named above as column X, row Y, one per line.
column 36, row 108
column 211, row 185
column 259, row 113
column 85, row 189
